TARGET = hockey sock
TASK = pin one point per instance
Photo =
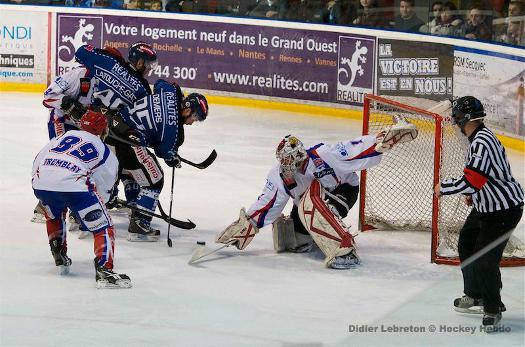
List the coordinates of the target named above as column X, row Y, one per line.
column 131, row 190
column 104, row 246
column 56, row 228
column 147, row 200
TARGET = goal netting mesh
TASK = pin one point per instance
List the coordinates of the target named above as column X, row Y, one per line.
column 398, row 193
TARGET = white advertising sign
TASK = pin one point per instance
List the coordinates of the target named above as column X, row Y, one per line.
column 497, row 80
column 23, row 46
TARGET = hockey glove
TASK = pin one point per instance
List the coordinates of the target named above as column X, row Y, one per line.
column 172, row 160
column 119, row 129
column 72, row 107
column 240, row 233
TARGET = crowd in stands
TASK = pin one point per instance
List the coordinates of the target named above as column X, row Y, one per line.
column 486, row 20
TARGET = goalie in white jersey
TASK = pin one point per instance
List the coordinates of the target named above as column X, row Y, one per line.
column 323, row 184
column 78, row 171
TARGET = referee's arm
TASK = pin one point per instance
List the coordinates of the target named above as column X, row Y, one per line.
column 474, row 175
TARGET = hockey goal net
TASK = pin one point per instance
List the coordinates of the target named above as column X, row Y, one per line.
column 398, row 193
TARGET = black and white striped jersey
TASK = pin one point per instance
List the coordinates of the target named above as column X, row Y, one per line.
column 487, row 176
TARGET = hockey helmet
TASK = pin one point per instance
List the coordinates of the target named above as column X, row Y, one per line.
column 465, row 109
column 144, row 51
column 94, row 122
column 198, row 105
column 291, row 154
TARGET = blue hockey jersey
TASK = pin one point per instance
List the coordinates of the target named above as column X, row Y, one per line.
column 158, row 118
column 113, row 82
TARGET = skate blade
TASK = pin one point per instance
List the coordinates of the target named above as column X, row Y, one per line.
column 84, row 235
column 38, row 218
column 469, row 310
column 132, row 237
column 73, row 228
column 63, row 270
column 120, row 284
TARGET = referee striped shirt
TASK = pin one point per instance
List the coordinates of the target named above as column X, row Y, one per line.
column 487, row 176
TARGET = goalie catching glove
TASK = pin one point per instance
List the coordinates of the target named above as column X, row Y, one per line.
column 400, row 132
column 240, row 233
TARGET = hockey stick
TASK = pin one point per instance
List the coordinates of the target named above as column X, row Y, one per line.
column 200, row 252
column 202, row 165
column 171, row 203
column 175, row 222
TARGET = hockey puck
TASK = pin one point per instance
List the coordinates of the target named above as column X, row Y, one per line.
column 201, row 243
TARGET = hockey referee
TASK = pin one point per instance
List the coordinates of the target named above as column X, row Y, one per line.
column 497, row 200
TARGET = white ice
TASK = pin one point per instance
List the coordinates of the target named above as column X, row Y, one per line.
column 250, row 298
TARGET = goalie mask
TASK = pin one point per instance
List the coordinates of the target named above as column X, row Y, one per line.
column 291, row 155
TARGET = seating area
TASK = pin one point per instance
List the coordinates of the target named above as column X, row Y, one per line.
column 500, row 21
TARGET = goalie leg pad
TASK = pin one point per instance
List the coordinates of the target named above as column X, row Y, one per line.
column 328, row 232
column 287, row 239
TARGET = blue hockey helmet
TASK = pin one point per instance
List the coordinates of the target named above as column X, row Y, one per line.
column 144, row 51
column 465, row 109
column 198, row 105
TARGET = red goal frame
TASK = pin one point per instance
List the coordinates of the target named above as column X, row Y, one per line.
column 438, row 139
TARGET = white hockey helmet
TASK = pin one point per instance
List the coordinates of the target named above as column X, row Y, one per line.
column 291, row 154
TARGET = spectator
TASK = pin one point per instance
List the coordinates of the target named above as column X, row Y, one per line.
column 369, row 14
column 155, row 5
column 342, row 12
column 135, row 5
column 476, row 27
column 172, row 6
column 513, row 28
column 269, row 9
column 407, row 19
column 451, row 23
column 194, row 6
column 515, row 8
column 235, row 8
column 434, row 17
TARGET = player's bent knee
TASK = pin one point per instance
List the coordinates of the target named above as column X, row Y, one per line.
column 327, row 231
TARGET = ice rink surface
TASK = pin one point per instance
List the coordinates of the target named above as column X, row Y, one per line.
column 236, row 298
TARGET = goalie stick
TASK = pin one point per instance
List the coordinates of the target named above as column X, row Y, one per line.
column 201, row 252
column 202, row 165
column 175, row 222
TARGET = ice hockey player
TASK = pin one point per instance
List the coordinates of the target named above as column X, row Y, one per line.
column 155, row 121
column 323, row 184
column 102, row 79
column 497, row 200
column 77, row 171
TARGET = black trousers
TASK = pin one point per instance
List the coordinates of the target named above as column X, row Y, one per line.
column 480, row 265
column 345, row 191
column 139, row 164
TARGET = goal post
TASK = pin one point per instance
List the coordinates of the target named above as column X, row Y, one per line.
column 398, row 193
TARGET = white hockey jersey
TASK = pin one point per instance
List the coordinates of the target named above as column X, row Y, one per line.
column 74, row 83
column 332, row 165
column 77, row 161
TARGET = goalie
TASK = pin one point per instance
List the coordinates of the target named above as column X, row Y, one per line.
column 323, row 184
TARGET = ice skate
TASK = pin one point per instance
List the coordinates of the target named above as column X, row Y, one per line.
column 466, row 304
column 38, row 214
column 108, row 279
column 59, row 252
column 74, row 223
column 140, row 230
column 491, row 321
column 347, row 261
